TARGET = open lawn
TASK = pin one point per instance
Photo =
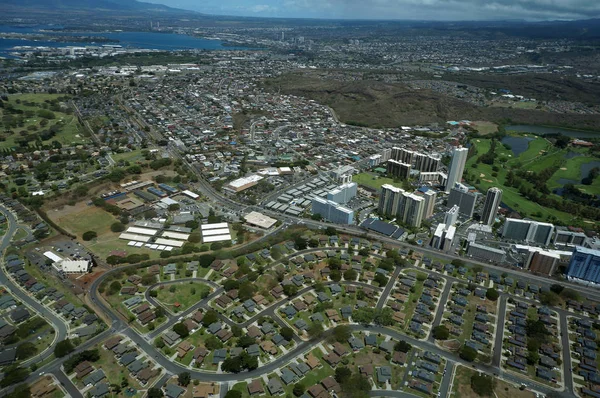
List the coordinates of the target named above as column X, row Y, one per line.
column 91, row 218
column 484, row 127
column 462, row 387
column 483, row 178
column 131, row 157
column 372, row 180
column 27, row 120
column 182, row 295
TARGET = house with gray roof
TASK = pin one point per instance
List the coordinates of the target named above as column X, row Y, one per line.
column 94, row 378
column 173, row 391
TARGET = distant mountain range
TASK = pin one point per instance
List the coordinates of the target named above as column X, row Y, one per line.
column 87, row 5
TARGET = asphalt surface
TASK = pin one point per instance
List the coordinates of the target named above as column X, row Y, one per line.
column 61, row 330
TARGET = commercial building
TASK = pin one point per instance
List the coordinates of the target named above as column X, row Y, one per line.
column 451, row 215
column 406, row 207
column 242, row 183
column 542, row 262
column 566, row 237
column 457, row 167
column 464, row 198
column 493, row 198
column 344, row 193
column 259, row 220
column 486, row 253
column 343, row 174
column 398, row 169
column 332, row 211
column 584, row 266
column 528, row 231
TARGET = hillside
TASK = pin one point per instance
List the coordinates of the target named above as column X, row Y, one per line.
column 378, row 104
column 83, row 5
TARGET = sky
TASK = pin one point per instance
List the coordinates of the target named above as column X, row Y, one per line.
column 446, row 10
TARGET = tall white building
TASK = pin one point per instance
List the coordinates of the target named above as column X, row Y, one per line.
column 344, row 193
column 430, row 198
column 451, row 215
column 490, row 207
column 457, row 167
column 406, row 207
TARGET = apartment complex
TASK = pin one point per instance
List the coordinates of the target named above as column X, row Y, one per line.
column 406, row 207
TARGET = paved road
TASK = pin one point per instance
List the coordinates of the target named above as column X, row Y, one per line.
column 566, row 349
column 388, row 288
column 57, row 323
column 497, row 355
column 441, row 307
column 446, row 379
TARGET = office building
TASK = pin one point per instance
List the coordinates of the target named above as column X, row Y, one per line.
column 242, row 183
column 485, row 253
column 584, row 265
column 343, row 174
column 402, row 155
column 344, row 193
column 566, row 237
column 430, row 198
column 528, row 231
column 408, row 208
column 457, row 167
column 465, row 199
column 427, row 163
column 451, row 215
column 398, row 169
column 493, row 198
column 332, row 211
column 542, row 262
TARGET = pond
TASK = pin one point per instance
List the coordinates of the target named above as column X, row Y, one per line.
column 543, row 130
column 571, row 155
column 587, row 167
column 518, row 145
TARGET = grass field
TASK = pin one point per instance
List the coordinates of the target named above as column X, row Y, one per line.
column 29, row 123
column 186, row 294
column 482, row 177
column 484, row 127
column 372, row 180
column 130, row 157
column 82, row 218
column 461, row 387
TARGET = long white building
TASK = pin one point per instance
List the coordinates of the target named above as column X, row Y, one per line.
column 457, row 167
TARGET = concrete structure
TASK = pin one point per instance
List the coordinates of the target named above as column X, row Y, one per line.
column 493, row 198
column 451, row 215
column 584, row 266
column 398, row 169
column 443, row 237
column 486, row 253
column 457, row 167
column 332, row 211
column 565, row 237
column 374, row 160
column 528, row 231
column 344, row 193
column 242, row 183
column 343, row 174
column 465, row 199
column 542, row 262
column 427, row 163
column 430, row 198
column 402, row 155
column 259, row 220
column 407, row 207
column 76, row 266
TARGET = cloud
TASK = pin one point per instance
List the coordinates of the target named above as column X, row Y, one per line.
column 402, row 9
